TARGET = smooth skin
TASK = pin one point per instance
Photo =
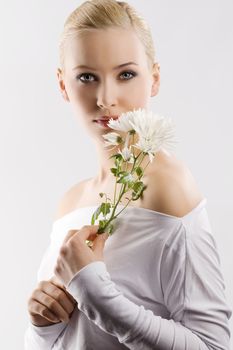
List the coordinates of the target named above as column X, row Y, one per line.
column 75, row 254
column 50, row 303
column 104, row 88
column 113, row 91
column 107, row 89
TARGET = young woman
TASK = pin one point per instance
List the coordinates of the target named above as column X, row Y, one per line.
column 156, row 282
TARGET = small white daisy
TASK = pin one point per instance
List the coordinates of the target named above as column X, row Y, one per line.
column 127, row 155
column 113, row 139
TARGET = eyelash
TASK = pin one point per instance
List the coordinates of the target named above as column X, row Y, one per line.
column 87, row 82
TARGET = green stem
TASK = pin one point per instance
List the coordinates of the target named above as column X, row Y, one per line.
column 135, row 161
column 114, row 209
column 123, row 208
column 140, row 162
column 122, row 189
column 146, row 166
column 133, row 144
column 115, row 191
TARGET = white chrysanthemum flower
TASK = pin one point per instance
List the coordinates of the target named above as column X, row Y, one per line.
column 113, row 139
column 123, row 122
column 126, row 151
column 154, row 131
column 127, row 155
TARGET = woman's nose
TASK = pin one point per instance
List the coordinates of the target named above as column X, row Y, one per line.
column 106, row 97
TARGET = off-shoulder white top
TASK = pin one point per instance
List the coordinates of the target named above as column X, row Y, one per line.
column 160, row 286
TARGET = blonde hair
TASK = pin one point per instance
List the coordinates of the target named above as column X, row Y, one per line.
column 99, row 14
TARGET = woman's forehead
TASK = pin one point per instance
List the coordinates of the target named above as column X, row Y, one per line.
column 113, row 46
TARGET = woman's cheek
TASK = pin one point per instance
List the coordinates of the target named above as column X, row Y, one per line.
column 138, row 95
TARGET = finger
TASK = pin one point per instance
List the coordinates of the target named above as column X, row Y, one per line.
column 35, row 308
column 70, row 297
column 52, row 304
column 60, row 296
column 54, row 280
column 88, row 231
column 99, row 242
column 70, row 234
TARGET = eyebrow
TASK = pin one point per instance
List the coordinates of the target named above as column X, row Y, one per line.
column 117, row 67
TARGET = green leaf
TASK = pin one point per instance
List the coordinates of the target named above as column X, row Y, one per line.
column 119, row 156
column 114, row 171
column 118, row 159
column 103, row 227
column 102, row 223
column 116, row 155
column 138, row 189
column 123, row 173
column 106, row 227
column 105, row 208
column 135, row 196
column 139, row 171
column 137, row 186
column 110, row 229
column 123, row 180
column 131, row 184
column 117, row 163
column 96, row 214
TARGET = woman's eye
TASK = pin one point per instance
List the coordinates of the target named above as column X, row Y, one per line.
column 88, row 77
column 128, row 75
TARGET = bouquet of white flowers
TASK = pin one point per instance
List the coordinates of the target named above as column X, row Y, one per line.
column 152, row 132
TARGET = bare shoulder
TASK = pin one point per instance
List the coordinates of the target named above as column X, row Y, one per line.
column 68, row 201
column 176, row 190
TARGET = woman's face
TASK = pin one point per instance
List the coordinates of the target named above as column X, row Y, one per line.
column 106, row 73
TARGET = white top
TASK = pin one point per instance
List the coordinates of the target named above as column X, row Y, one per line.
column 160, row 286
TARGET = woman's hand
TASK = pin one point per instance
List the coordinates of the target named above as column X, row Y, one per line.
column 50, row 303
column 75, row 254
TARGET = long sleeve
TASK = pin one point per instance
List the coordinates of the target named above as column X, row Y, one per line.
column 42, row 338
column 193, row 293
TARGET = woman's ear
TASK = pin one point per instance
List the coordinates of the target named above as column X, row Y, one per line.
column 62, row 85
column 155, row 79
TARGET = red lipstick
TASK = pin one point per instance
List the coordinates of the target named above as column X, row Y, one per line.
column 103, row 120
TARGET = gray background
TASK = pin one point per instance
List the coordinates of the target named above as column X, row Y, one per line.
column 43, row 148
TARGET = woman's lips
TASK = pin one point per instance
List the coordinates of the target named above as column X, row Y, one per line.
column 104, row 121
